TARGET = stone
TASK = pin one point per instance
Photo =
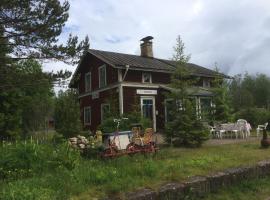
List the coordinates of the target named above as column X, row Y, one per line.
column 217, row 181
column 171, row 191
column 263, row 168
column 197, row 186
column 144, row 194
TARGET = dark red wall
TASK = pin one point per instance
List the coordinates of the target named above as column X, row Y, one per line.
column 157, row 77
column 91, row 63
column 95, row 105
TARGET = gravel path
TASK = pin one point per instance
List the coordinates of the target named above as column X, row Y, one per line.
column 160, row 140
column 230, row 141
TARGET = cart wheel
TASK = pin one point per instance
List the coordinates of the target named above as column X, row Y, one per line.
column 130, row 149
column 109, row 152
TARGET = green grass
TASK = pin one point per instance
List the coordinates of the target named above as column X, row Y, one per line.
column 249, row 190
column 79, row 178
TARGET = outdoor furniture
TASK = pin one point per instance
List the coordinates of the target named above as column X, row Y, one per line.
column 240, row 129
column 220, row 131
column 212, row 131
column 244, row 128
column 261, row 128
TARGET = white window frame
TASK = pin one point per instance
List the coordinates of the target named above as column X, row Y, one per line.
column 150, row 80
column 84, row 115
column 153, row 109
column 101, row 110
column 105, row 76
column 90, row 82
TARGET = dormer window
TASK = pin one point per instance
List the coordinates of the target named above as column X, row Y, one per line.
column 87, row 82
column 102, row 76
column 206, row 83
column 146, row 78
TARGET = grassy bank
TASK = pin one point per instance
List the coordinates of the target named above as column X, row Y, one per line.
column 250, row 190
column 59, row 173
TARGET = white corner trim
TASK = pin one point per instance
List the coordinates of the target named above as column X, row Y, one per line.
column 142, row 85
column 121, row 100
column 125, row 84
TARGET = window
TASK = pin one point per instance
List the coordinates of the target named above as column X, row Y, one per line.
column 87, row 115
column 206, row 109
column 169, row 105
column 105, row 109
column 87, row 82
column 206, row 83
column 102, row 76
column 146, row 78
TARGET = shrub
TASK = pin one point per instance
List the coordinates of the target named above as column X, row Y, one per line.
column 67, row 113
column 254, row 116
column 108, row 125
column 27, row 159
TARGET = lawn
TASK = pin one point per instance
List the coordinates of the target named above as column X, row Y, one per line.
column 54, row 172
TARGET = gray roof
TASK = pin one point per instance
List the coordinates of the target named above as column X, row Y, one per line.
column 120, row 60
column 135, row 62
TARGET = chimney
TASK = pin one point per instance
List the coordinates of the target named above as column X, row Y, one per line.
column 147, row 47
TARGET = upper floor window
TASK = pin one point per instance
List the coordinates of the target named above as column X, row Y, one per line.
column 87, row 115
column 206, row 83
column 146, row 78
column 105, row 109
column 87, row 82
column 102, row 76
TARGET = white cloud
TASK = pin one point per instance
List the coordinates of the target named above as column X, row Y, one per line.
column 232, row 33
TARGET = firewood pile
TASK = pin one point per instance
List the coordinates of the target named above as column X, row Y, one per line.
column 79, row 142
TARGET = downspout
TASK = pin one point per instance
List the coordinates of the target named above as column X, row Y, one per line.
column 121, row 79
column 127, row 68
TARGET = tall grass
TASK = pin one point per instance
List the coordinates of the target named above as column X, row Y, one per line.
column 61, row 173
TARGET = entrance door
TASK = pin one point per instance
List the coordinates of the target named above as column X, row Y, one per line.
column 148, row 109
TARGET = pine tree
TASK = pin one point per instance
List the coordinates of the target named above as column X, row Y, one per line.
column 222, row 104
column 30, row 29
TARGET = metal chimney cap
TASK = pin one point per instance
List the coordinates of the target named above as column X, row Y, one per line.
column 146, row 39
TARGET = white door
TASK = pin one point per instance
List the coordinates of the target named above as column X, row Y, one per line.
column 148, row 109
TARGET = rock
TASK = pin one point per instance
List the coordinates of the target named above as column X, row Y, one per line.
column 263, row 168
column 197, row 186
column 144, row 194
column 171, row 191
column 217, row 180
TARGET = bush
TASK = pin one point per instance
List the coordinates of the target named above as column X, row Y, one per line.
column 67, row 114
column 188, row 138
column 254, row 116
column 27, row 159
column 109, row 126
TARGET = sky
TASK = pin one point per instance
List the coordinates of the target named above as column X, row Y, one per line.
column 235, row 34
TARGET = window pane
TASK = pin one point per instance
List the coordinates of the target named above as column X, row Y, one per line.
column 105, row 110
column 87, row 115
column 102, row 76
column 146, row 77
column 87, row 82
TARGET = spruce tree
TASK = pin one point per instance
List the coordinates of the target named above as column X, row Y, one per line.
column 183, row 127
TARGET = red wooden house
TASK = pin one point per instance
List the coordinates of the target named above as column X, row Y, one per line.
column 102, row 74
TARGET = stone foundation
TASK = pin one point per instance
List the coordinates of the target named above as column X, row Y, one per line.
column 199, row 186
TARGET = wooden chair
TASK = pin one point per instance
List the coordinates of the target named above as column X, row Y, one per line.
column 148, row 134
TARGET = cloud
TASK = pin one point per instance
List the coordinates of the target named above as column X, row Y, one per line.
column 235, row 34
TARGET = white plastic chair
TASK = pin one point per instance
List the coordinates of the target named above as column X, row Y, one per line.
column 261, row 128
column 242, row 126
